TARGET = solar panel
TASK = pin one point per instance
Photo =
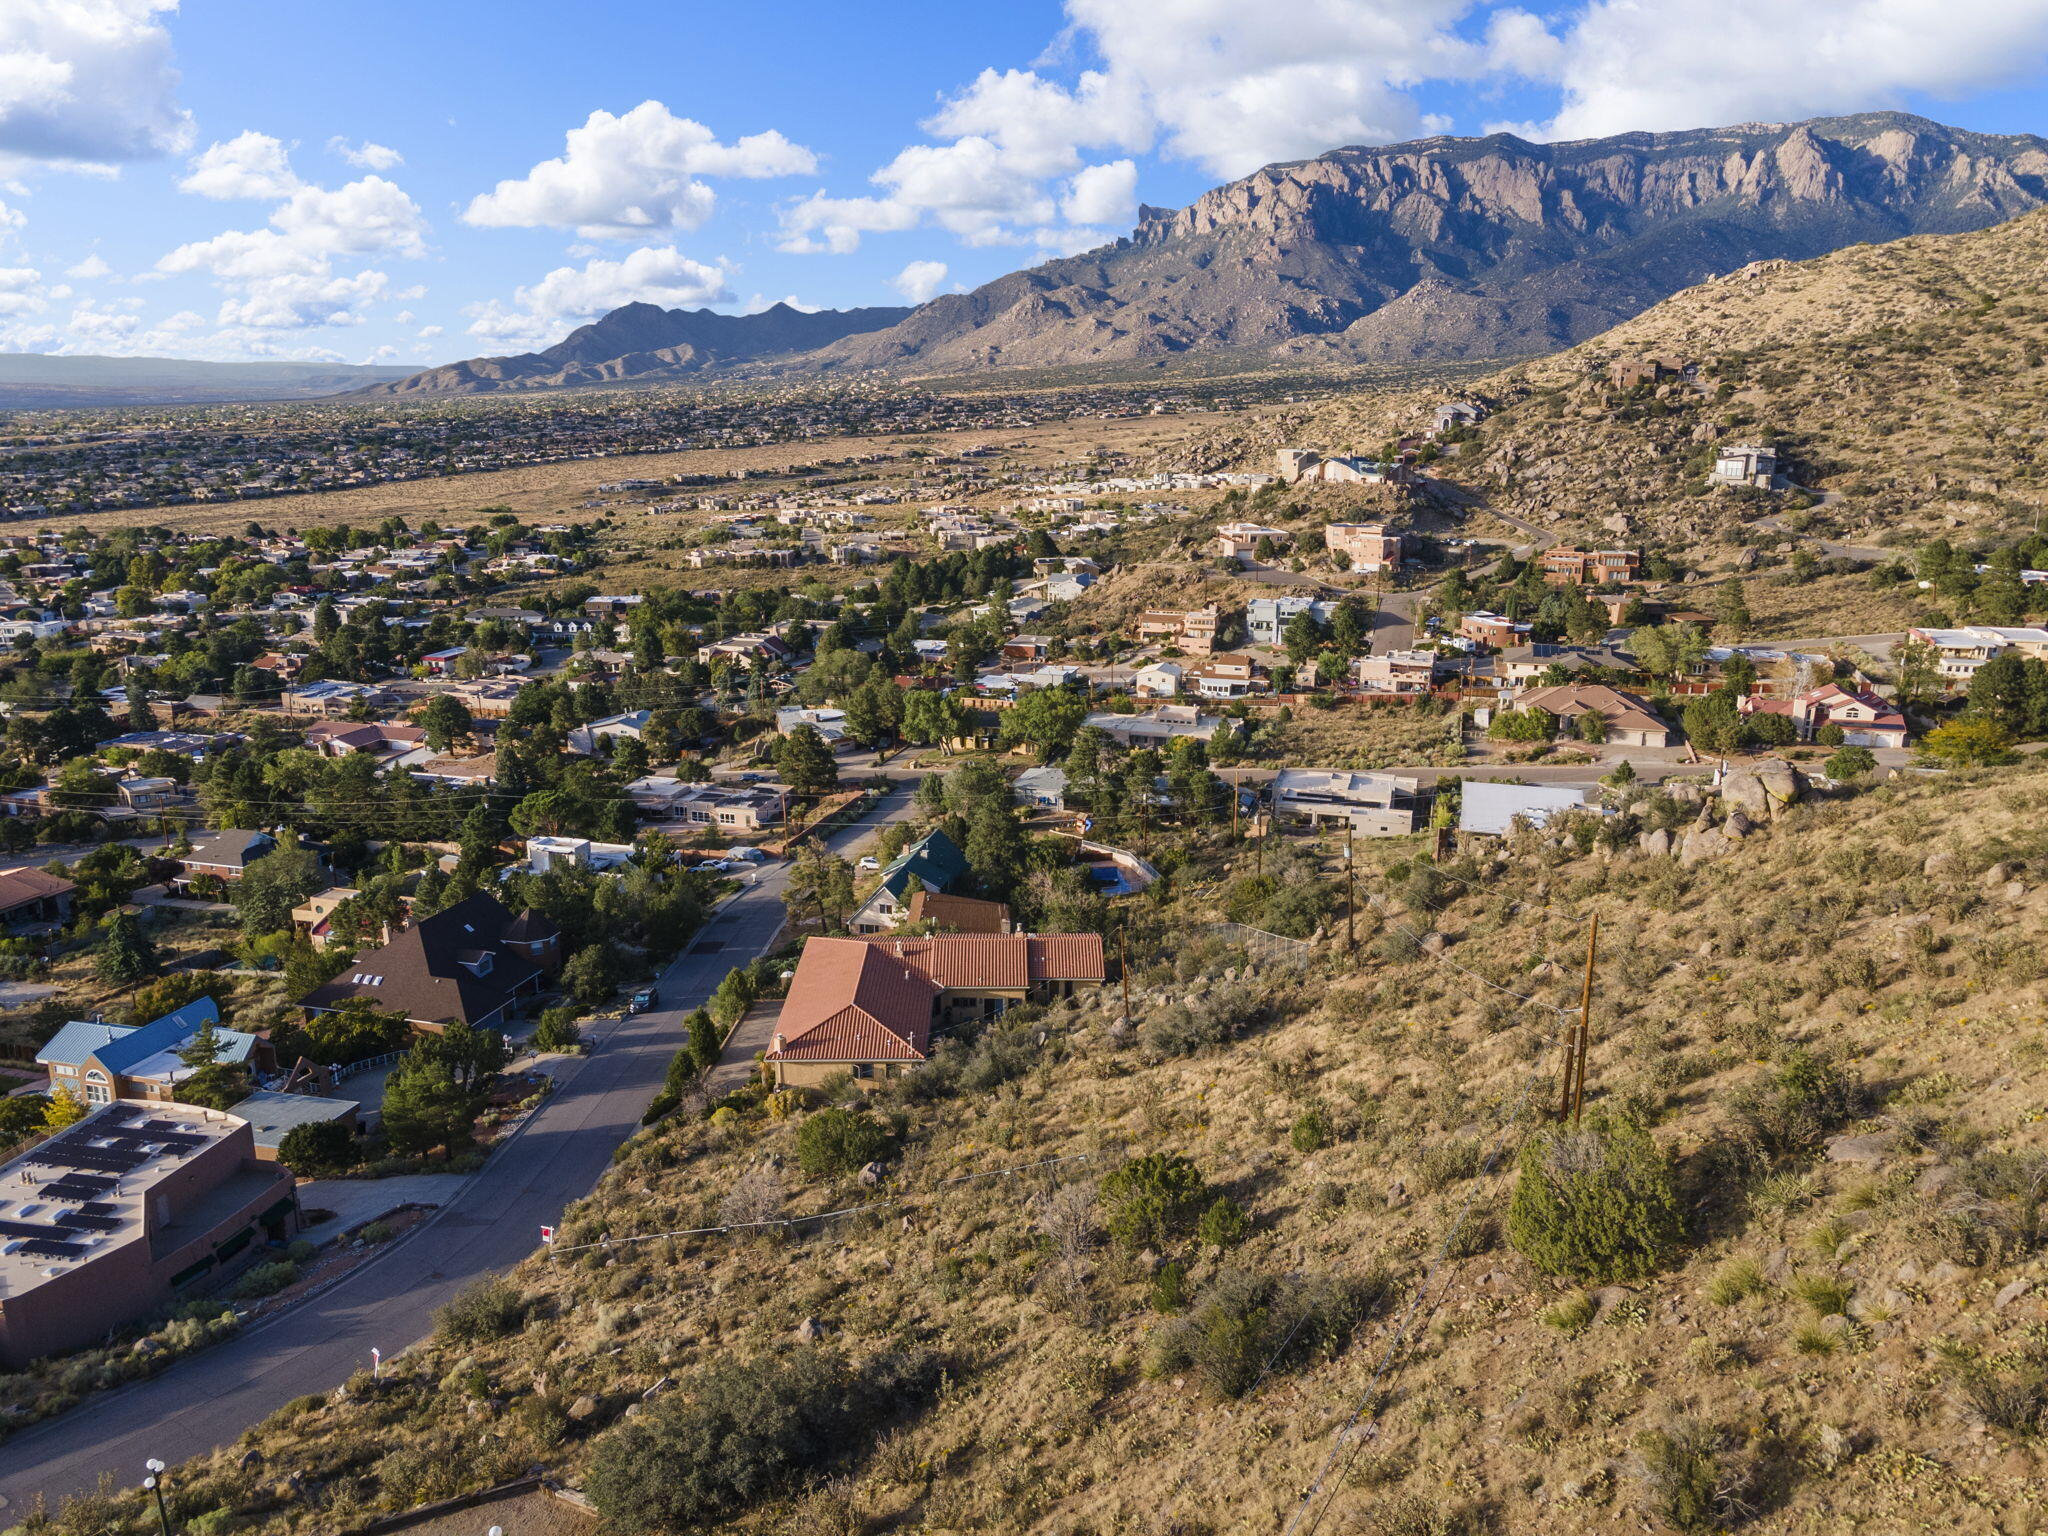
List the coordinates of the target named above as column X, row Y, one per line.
column 92, row 1160
column 118, row 1114
column 79, row 1222
column 50, row 1248
column 98, row 1208
column 27, row 1229
column 79, row 1186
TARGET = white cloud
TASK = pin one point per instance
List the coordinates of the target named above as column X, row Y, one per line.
column 623, row 177
column 1659, row 64
column 248, row 165
column 919, row 280
column 12, row 221
column 1102, row 194
column 89, row 270
column 429, row 332
column 835, row 224
column 283, row 277
column 370, row 157
column 542, row 313
column 86, row 82
column 22, row 291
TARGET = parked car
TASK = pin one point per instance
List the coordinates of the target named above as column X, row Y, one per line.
column 748, row 855
column 643, row 1000
column 870, row 862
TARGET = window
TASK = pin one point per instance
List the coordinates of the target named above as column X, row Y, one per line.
column 96, row 1093
column 863, row 1069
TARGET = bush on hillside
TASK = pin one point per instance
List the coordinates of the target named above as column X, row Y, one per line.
column 1244, row 1321
column 834, row 1142
column 1804, row 1098
column 1154, row 1198
column 488, row 1310
column 742, row 1432
column 1595, row 1203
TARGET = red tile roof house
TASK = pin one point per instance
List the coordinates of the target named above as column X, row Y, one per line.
column 1866, row 720
column 870, row 1007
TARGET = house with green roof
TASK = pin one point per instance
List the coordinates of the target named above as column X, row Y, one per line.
column 933, row 863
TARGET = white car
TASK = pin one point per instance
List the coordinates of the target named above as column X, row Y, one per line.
column 748, row 855
column 871, row 862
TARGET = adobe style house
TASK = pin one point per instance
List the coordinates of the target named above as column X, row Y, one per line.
column 1563, row 567
column 1491, row 629
column 933, row 863
column 868, row 1006
column 1235, row 541
column 124, row 1212
column 1193, row 631
column 1631, row 722
column 1749, row 464
column 98, row 1063
column 29, row 897
column 469, row 964
column 1364, row 546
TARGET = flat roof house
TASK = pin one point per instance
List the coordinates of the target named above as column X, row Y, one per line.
column 273, row 1116
column 748, row 809
column 1369, row 804
column 1364, row 546
column 1492, row 808
column 469, row 964
column 1157, row 727
column 869, row 1007
column 116, row 1216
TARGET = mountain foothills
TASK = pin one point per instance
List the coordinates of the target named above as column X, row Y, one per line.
column 644, row 341
column 43, row 381
column 1444, row 248
column 1899, row 386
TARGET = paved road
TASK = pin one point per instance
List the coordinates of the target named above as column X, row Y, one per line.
column 494, row 1223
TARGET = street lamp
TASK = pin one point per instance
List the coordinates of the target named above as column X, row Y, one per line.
column 155, row 1484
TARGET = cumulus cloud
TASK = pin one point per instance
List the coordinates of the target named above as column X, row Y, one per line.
column 1619, row 61
column 370, row 157
column 919, row 280
column 1102, row 194
column 89, row 270
column 541, row 313
column 88, row 82
column 284, row 278
column 248, row 165
column 623, row 177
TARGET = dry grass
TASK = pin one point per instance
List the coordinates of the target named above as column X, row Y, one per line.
column 1050, row 1426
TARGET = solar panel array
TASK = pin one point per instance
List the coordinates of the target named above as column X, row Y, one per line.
column 117, row 1140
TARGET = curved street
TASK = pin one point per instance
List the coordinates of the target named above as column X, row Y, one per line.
column 493, row 1223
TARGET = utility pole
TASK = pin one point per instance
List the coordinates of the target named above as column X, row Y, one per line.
column 1576, row 1089
column 1350, row 890
column 1123, row 962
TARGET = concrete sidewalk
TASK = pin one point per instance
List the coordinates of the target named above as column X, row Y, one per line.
column 354, row 1200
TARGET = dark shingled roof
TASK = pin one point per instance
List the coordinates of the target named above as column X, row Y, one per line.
column 429, row 973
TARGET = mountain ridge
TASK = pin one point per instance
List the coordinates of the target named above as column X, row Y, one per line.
column 1444, row 249
column 644, row 340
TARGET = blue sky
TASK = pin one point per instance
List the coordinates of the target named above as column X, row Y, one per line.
column 418, row 182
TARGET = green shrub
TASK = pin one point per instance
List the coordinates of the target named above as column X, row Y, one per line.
column 1443, row 1163
column 2011, row 1397
column 1243, row 1322
column 1169, row 1287
column 1154, row 1198
column 1223, row 1225
column 1827, row 1295
column 265, row 1280
column 302, row 1251
column 1595, row 1203
column 740, row 1433
column 1690, row 1480
column 557, row 1031
column 1803, row 1099
column 490, row 1309
column 835, row 1141
column 1311, row 1131
column 376, row 1232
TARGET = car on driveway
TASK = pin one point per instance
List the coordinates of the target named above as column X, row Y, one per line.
column 871, row 862
column 643, row 1000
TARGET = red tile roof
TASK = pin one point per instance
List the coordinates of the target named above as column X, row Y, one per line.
column 872, row 999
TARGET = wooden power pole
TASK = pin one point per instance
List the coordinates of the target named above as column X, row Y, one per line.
column 1123, row 962
column 1574, row 1103
column 1350, row 890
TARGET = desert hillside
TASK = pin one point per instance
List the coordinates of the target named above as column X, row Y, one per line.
column 1900, row 384
column 1780, row 1277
